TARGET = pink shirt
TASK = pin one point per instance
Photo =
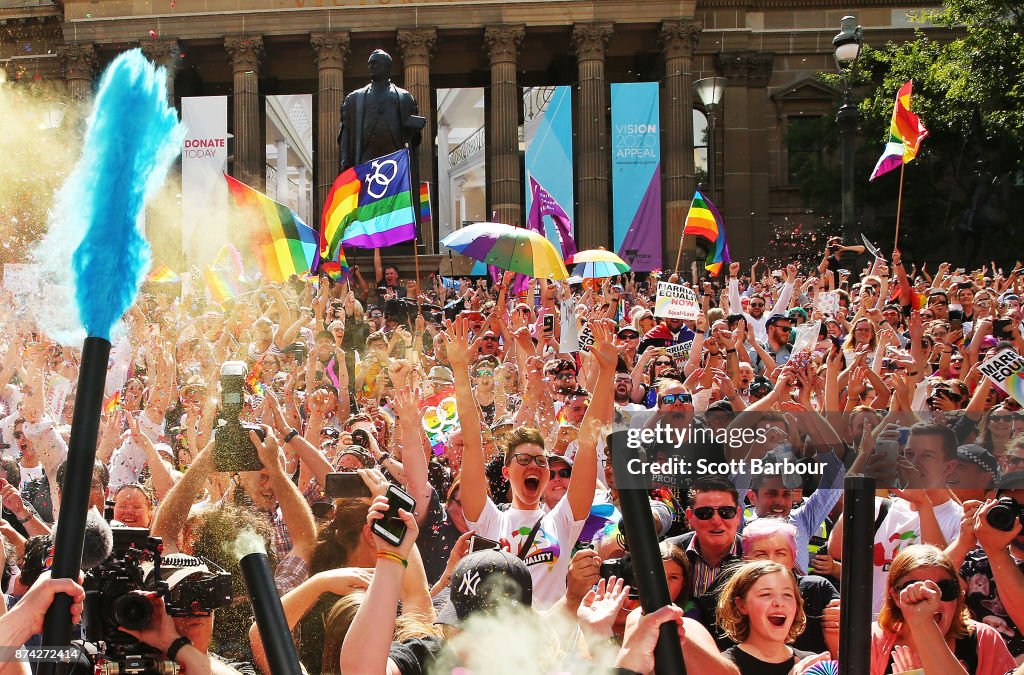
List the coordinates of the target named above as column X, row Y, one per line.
column 993, row 656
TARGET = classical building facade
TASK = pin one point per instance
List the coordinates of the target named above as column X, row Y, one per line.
column 768, row 50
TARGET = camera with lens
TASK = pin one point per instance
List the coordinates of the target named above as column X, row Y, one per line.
column 117, row 597
column 621, row 568
column 233, row 449
column 1003, row 515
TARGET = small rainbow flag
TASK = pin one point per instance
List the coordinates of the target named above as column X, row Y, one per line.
column 112, row 403
column 282, row 244
column 906, row 131
column 161, row 273
column 424, row 204
column 221, row 285
column 703, row 220
column 369, row 206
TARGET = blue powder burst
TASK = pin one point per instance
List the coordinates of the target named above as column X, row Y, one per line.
column 131, row 140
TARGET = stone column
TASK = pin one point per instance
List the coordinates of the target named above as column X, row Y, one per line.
column 444, row 213
column 330, row 49
column 281, row 186
column 678, row 41
column 592, row 222
column 245, row 53
column 744, row 152
column 79, row 61
column 303, row 205
column 163, row 53
column 504, row 172
column 417, row 45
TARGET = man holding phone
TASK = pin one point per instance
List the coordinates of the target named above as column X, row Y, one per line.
column 542, row 539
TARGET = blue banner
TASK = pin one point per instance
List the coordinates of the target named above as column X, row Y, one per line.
column 547, row 133
column 636, row 174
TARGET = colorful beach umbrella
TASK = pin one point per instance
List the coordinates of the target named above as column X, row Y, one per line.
column 510, row 248
column 598, row 263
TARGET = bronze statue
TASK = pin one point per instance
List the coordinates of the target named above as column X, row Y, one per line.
column 378, row 119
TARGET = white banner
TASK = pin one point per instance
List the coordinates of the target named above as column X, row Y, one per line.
column 675, row 301
column 204, row 159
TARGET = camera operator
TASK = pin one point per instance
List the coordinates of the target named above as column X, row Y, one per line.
column 186, row 641
column 25, row 619
column 990, row 561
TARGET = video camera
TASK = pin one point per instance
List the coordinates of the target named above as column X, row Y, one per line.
column 117, row 597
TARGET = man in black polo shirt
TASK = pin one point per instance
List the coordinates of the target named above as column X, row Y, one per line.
column 714, row 516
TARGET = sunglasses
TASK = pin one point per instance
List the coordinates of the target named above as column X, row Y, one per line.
column 949, row 589
column 561, row 473
column 564, row 376
column 490, row 338
column 757, row 304
column 708, row 512
column 1014, row 460
column 784, row 329
column 524, row 459
column 662, row 363
column 669, row 399
column 484, row 373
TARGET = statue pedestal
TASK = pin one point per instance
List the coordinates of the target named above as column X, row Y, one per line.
column 404, row 262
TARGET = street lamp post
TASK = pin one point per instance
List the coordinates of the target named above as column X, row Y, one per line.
column 847, row 46
column 709, row 90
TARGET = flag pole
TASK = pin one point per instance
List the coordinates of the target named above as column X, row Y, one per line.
column 679, row 253
column 899, row 207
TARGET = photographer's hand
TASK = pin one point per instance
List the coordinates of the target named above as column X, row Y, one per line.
column 160, row 632
column 26, row 617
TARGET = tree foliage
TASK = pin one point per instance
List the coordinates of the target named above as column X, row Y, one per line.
column 963, row 192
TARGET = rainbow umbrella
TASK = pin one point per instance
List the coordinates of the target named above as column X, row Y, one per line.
column 598, row 264
column 511, row 248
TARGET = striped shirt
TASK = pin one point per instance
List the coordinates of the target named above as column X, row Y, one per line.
column 705, row 573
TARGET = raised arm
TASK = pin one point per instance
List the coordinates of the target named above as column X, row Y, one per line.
column 596, row 420
column 171, row 514
column 474, row 478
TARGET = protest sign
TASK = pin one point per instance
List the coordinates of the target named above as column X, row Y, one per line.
column 680, row 351
column 1005, row 369
column 675, row 301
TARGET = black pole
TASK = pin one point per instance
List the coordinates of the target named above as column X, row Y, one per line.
column 712, row 163
column 648, row 569
column 847, row 118
column 855, row 609
column 74, row 504
column 277, row 639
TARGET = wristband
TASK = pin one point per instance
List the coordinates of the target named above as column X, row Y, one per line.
column 176, row 646
column 384, row 456
column 290, row 435
column 730, row 351
column 390, row 555
column 28, row 517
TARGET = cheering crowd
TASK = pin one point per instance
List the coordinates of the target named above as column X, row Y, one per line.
column 491, row 410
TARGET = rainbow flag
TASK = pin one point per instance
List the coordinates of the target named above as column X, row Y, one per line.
column 282, row 244
column 221, row 285
column 703, row 220
column 369, row 206
column 112, row 403
column 906, row 131
column 424, row 205
column 161, row 273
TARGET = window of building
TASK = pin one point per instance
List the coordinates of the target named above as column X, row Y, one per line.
column 803, row 145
